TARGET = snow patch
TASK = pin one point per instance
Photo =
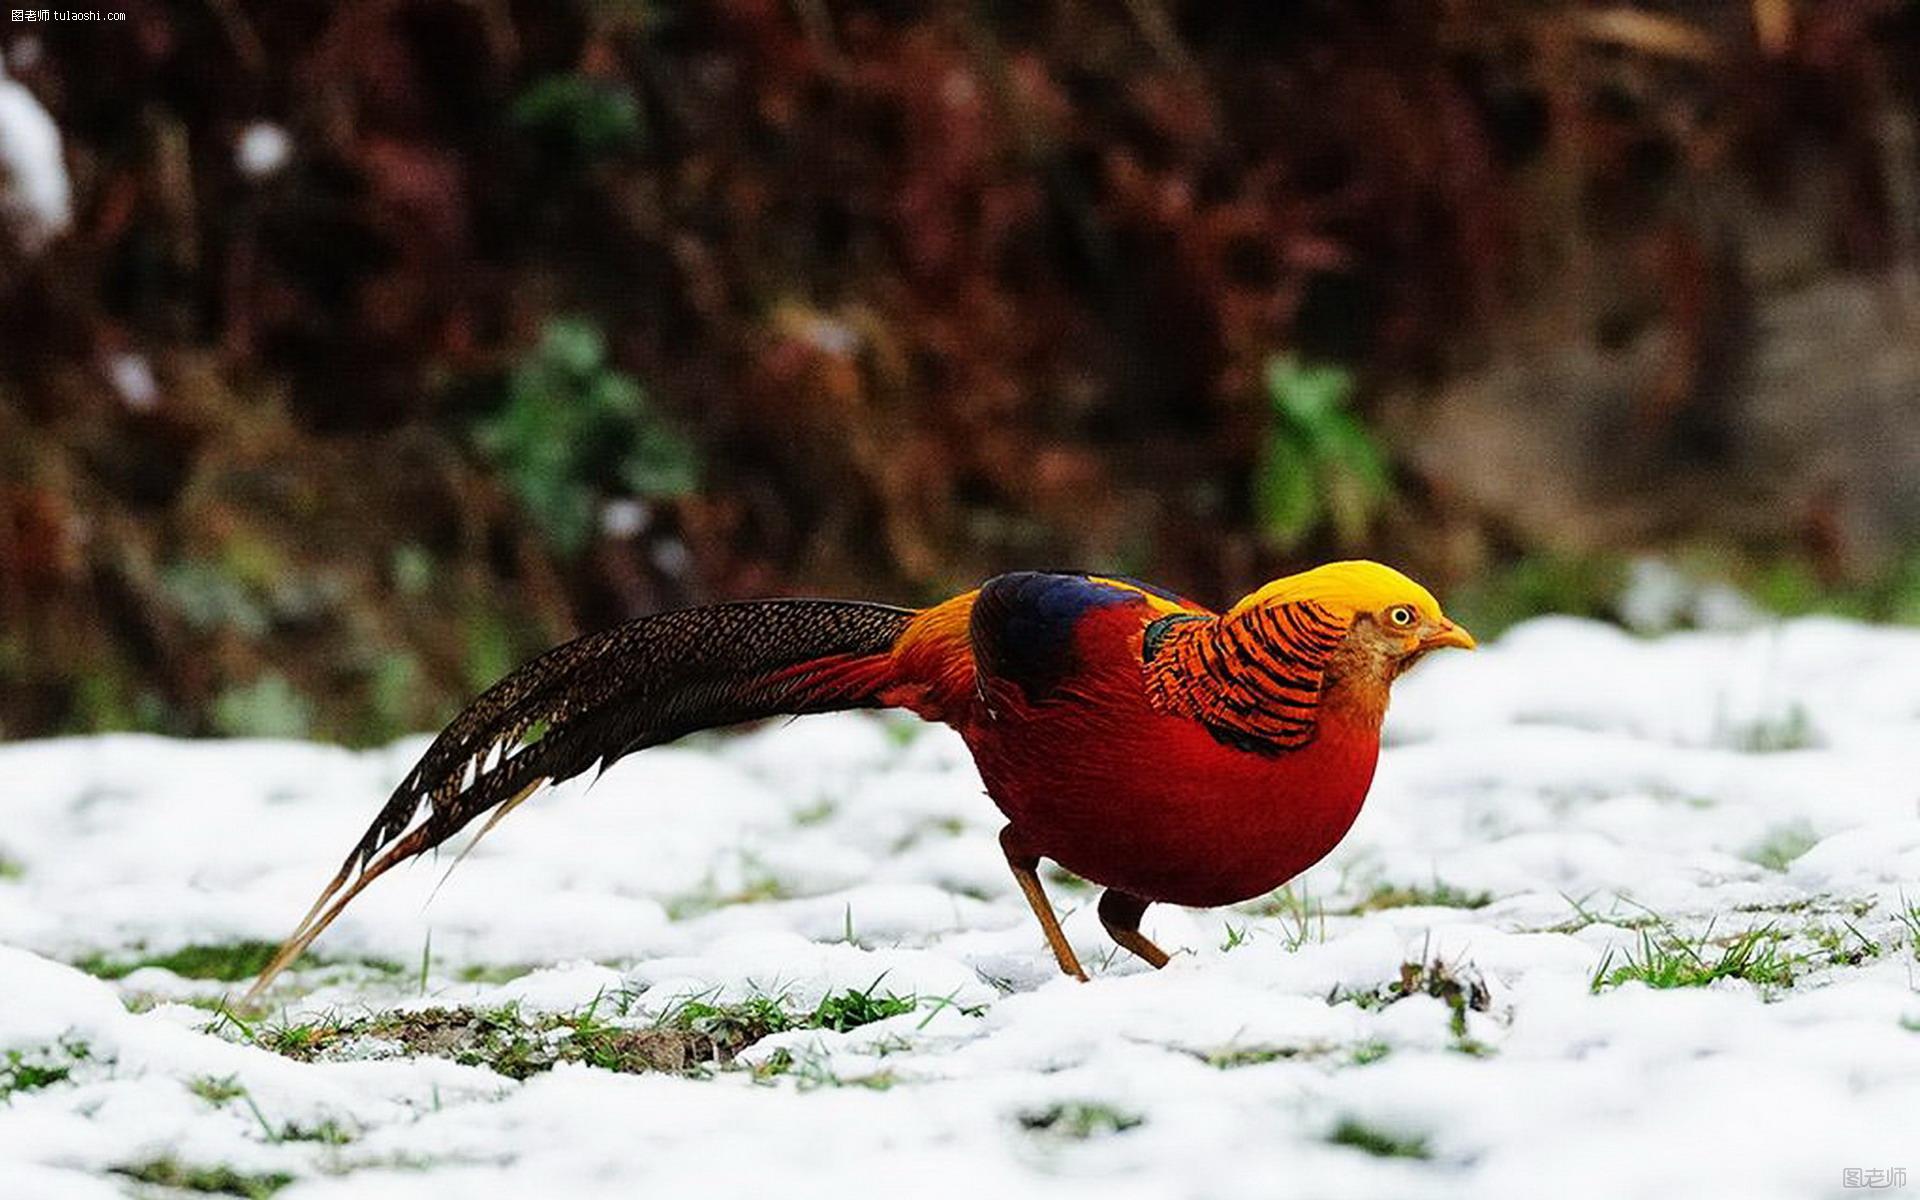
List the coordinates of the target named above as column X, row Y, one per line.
column 1571, row 797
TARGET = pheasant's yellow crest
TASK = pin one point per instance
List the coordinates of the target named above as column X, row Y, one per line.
column 1347, row 588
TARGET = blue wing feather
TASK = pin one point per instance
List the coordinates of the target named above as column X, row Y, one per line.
column 1023, row 624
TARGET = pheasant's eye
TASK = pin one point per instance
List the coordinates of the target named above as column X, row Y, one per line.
column 1400, row 616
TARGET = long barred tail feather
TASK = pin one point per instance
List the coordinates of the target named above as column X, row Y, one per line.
column 596, row 699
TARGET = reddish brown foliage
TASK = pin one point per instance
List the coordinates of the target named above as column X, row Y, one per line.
column 937, row 290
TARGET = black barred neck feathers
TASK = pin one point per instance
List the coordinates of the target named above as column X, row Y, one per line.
column 1255, row 677
column 1327, row 641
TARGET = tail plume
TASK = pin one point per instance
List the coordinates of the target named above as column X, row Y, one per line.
column 596, row 699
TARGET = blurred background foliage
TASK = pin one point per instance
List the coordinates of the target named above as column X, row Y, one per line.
column 392, row 341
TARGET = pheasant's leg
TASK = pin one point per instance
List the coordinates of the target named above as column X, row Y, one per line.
column 1025, row 871
column 1120, row 912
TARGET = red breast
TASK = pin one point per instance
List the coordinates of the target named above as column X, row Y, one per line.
column 1154, row 804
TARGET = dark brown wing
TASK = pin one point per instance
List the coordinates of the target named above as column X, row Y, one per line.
column 594, row 700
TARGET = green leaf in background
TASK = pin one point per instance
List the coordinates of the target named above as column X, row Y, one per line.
column 1285, row 494
column 1320, row 463
column 207, row 597
column 570, row 346
column 662, row 463
column 1306, row 394
column 574, row 431
column 590, row 117
column 269, row 707
column 490, row 651
column 393, row 691
column 411, row 569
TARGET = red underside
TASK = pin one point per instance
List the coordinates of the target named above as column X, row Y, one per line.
column 1152, row 804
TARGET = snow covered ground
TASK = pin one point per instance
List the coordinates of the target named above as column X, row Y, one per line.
column 1449, row 1006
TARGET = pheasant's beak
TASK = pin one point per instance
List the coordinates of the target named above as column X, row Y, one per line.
column 1448, row 634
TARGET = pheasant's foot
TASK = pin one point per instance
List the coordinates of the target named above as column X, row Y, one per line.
column 1026, row 872
column 1120, row 912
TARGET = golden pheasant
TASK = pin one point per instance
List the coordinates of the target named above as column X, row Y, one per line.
column 1161, row 750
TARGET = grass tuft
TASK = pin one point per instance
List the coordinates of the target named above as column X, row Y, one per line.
column 1460, row 988
column 1846, row 946
column 1351, row 1131
column 170, row 1172
column 1058, row 876
column 1666, row 958
column 490, row 973
column 1228, row 1058
column 814, row 1070
column 1439, row 895
column 850, row 1009
column 730, row 1028
column 1780, row 845
column 1302, row 918
column 1790, row 730
column 758, row 886
column 227, row 962
column 1079, row 1120
column 303, row 1039
column 1908, row 915
column 737, row 1025
column 817, row 813
column 31, row 1070
column 216, row 1089
column 327, row 1132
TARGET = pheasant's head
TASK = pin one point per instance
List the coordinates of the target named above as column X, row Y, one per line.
column 1333, row 638
column 1389, row 621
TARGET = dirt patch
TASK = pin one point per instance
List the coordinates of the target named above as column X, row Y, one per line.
column 504, row 1041
column 691, row 1035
